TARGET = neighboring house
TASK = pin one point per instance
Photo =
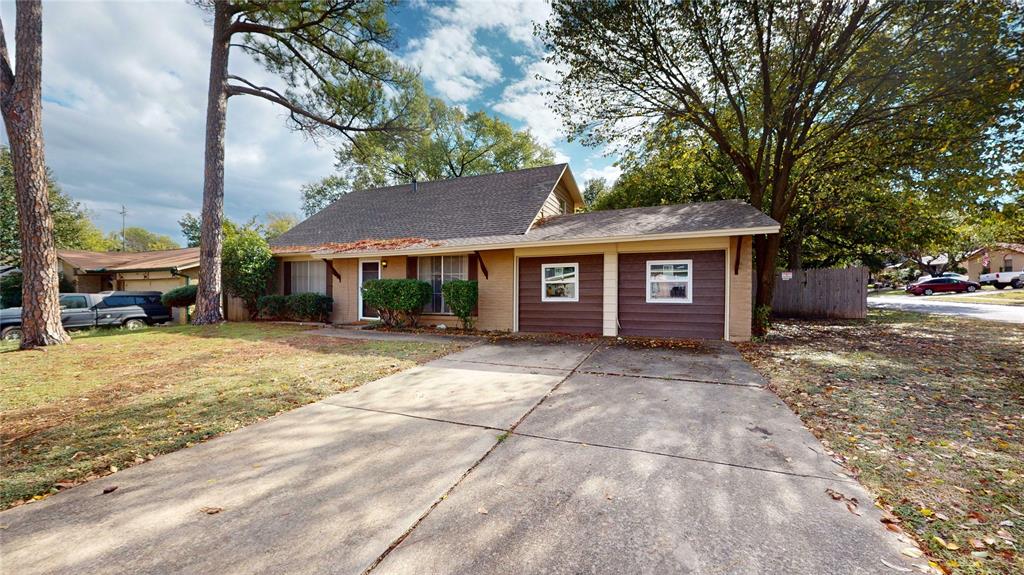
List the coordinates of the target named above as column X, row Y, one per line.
column 93, row 272
column 999, row 257
column 667, row 271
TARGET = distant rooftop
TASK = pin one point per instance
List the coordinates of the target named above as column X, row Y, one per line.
column 123, row 261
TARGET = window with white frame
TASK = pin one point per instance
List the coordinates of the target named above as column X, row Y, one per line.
column 560, row 282
column 309, row 277
column 436, row 270
column 669, row 281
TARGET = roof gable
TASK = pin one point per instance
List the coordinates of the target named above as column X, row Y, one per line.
column 471, row 206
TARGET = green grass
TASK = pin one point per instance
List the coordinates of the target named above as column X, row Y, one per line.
column 929, row 412
column 115, row 398
column 1005, row 297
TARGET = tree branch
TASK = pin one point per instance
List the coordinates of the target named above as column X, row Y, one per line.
column 297, row 111
column 6, row 72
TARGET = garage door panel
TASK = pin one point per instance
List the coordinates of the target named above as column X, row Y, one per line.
column 704, row 317
column 583, row 316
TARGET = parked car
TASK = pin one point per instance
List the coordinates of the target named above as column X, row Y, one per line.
column 942, row 284
column 1003, row 279
column 128, row 309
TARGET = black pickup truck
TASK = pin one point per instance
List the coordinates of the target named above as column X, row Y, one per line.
column 128, row 309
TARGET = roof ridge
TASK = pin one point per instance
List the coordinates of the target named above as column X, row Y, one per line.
column 458, row 178
column 729, row 200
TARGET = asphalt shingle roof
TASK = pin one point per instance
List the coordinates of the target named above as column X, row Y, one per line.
column 671, row 219
column 473, row 206
column 120, row 261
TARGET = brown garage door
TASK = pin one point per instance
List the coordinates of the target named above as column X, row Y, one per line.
column 583, row 316
column 703, row 317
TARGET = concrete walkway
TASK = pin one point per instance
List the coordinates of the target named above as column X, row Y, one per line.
column 504, row 458
column 935, row 304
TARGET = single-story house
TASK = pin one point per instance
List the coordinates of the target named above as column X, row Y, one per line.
column 999, row 257
column 667, row 271
column 164, row 270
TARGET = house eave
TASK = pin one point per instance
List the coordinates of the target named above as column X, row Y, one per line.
column 465, row 248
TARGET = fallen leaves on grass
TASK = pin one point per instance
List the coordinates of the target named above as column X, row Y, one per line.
column 928, row 412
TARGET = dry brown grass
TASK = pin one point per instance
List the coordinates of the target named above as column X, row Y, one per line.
column 113, row 398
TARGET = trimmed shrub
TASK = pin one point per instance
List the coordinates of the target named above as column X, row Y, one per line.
column 247, row 265
column 272, row 306
column 398, row 301
column 183, row 296
column 461, row 296
column 308, row 306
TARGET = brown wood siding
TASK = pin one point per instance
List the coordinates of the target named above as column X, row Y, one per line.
column 704, row 318
column 583, row 316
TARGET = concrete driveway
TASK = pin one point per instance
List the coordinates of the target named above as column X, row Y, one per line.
column 503, row 458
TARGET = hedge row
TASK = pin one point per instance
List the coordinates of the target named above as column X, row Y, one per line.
column 397, row 301
column 296, row 307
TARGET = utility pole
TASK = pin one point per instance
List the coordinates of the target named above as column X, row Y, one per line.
column 123, row 212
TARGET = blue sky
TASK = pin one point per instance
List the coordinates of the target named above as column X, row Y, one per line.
column 125, row 101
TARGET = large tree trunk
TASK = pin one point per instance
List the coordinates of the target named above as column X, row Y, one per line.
column 795, row 251
column 766, row 252
column 208, row 298
column 21, row 104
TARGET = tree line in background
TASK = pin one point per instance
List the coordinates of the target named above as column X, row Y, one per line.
column 449, row 143
column 846, row 122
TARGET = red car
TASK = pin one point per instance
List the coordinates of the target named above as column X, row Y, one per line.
column 944, row 284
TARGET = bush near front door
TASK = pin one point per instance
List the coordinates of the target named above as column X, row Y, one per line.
column 461, row 296
column 297, row 306
column 397, row 301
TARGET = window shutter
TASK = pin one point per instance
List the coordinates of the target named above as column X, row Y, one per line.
column 471, row 276
column 287, row 278
column 410, row 267
column 328, row 268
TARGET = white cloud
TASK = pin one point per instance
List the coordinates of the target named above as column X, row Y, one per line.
column 124, row 118
column 527, row 101
column 450, row 56
column 610, row 174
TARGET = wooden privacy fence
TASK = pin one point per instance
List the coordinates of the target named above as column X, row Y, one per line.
column 821, row 293
column 234, row 309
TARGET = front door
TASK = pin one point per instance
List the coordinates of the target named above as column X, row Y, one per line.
column 368, row 270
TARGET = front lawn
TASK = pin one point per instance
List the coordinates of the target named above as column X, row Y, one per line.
column 929, row 412
column 113, row 398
